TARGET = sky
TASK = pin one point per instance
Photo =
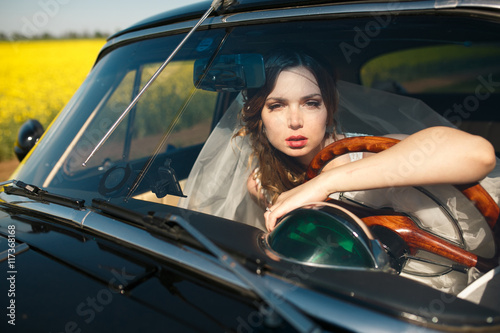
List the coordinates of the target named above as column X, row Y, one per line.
column 58, row 17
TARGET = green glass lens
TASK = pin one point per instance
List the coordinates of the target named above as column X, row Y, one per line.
column 315, row 237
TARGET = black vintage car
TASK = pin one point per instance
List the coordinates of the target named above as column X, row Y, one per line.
column 103, row 227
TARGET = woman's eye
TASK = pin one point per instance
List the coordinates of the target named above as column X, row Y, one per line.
column 313, row 104
column 274, row 106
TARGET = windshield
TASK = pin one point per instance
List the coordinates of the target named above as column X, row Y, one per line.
column 153, row 149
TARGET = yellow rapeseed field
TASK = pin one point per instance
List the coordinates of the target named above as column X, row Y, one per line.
column 37, row 78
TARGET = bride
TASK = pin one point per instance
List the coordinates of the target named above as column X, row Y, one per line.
column 253, row 165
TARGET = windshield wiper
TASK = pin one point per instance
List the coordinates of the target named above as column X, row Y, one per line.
column 169, row 226
column 36, row 193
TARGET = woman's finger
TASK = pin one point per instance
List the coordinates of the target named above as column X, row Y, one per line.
column 272, row 215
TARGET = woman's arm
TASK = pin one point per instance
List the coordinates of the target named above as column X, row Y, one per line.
column 437, row 155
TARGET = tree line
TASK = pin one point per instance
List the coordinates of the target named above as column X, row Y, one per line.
column 45, row 35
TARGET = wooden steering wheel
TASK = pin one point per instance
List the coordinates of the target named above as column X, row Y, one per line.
column 415, row 237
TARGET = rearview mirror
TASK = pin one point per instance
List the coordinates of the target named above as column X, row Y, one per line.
column 231, row 73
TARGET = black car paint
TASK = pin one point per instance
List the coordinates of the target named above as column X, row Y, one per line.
column 89, row 279
column 94, row 281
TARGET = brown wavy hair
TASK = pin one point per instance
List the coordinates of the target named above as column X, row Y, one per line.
column 277, row 171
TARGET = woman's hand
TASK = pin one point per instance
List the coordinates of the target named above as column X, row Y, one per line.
column 309, row 192
column 315, row 190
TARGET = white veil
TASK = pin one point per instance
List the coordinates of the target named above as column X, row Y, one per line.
column 217, row 183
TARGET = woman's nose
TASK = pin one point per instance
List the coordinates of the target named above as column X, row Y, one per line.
column 295, row 119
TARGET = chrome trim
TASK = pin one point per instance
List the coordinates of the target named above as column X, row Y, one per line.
column 342, row 313
column 303, row 13
column 440, row 4
column 72, row 216
column 448, row 213
column 151, row 32
column 327, row 10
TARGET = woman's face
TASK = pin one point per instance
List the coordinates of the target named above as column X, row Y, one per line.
column 295, row 115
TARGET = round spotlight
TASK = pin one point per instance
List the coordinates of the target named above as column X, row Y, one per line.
column 324, row 234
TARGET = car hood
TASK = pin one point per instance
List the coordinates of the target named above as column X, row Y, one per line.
column 111, row 269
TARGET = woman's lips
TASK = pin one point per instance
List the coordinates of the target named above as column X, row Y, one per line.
column 296, row 141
